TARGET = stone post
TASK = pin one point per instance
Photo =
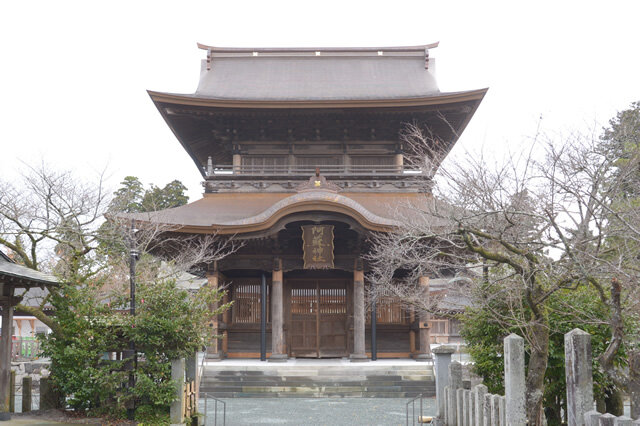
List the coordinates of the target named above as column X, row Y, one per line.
column 579, row 375
column 502, row 404
column 359, row 354
column 486, row 410
column 634, row 383
column 592, row 418
column 443, row 360
column 278, row 347
column 177, row 375
column 399, row 161
column 465, row 407
column 514, row 380
column 237, row 161
column 12, row 391
column 495, row 410
column 623, row 421
column 455, row 383
column 26, row 394
column 472, row 408
column 447, row 420
column 460, row 407
column 213, row 350
column 607, row 419
column 425, row 339
column 479, row 391
column 49, row 396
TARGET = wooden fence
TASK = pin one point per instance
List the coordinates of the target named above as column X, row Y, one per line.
column 25, row 349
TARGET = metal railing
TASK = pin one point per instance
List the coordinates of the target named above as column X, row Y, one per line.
column 333, row 170
column 421, row 419
column 215, row 410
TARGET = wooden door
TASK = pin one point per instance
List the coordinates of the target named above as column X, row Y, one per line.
column 318, row 318
column 304, row 319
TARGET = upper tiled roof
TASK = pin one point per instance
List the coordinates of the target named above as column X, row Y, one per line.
column 317, row 74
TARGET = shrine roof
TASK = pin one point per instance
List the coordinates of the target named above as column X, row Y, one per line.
column 316, row 75
column 20, row 276
column 238, row 213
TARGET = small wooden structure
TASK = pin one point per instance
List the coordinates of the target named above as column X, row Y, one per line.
column 13, row 277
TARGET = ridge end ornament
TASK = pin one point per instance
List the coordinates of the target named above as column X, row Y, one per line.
column 318, row 182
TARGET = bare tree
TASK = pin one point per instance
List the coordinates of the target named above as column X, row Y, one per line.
column 542, row 221
column 55, row 222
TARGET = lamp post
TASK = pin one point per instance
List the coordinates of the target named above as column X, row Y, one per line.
column 134, row 255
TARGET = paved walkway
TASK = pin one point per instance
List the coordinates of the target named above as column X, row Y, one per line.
column 316, row 411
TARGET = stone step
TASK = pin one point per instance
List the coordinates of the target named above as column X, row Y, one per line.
column 317, row 391
column 213, row 384
column 318, row 381
column 316, row 378
column 319, row 395
column 318, row 375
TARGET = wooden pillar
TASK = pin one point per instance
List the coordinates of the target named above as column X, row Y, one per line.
column 6, row 302
column 213, row 350
column 226, row 320
column 359, row 353
column 278, row 346
column 425, row 338
column 412, row 333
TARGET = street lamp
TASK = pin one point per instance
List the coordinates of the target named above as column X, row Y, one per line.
column 134, row 255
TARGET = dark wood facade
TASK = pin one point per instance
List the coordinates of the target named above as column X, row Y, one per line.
column 293, row 138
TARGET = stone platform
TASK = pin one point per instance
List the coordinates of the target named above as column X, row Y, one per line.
column 307, row 378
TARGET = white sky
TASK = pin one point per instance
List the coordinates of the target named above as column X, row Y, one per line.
column 74, row 75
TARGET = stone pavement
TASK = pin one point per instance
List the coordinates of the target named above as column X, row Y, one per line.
column 316, row 411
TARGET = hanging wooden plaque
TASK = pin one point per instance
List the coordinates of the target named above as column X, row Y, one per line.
column 317, row 245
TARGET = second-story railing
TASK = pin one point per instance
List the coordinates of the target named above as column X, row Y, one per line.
column 333, row 170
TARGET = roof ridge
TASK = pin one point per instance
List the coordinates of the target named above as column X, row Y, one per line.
column 416, row 48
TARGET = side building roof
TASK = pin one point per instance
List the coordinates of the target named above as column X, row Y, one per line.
column 19, row 276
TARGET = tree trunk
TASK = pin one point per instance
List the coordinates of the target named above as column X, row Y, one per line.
column 614, row 402
column 539, row 339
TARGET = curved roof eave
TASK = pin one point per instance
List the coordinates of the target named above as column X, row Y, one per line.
column 439, row 99
column 319, row 200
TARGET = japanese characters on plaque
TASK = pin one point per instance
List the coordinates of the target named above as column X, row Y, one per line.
column 317, row 245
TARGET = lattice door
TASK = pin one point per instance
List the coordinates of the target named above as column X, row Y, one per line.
column 318, row 318
column 304, row 319
column 332, row 319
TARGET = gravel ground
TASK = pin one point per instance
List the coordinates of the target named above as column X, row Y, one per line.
column 316, row 411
